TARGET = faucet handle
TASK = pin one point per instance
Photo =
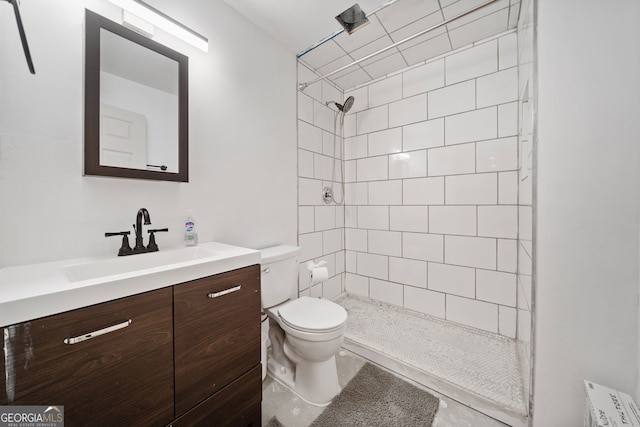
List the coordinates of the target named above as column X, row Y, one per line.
column 157, row 230
column 125, row 249
column 152, row 246
column 118, row 233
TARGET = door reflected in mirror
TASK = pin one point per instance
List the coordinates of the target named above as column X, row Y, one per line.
column 135, row 105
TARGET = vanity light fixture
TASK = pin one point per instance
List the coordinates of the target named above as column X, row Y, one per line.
column 137, row 24
column 165, row 22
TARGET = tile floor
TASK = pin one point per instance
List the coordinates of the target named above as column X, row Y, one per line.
column 291, row 411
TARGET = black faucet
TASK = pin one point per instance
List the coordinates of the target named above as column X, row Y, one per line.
column 139, row 247
column 142, row 212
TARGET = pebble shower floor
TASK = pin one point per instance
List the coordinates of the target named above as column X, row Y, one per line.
column 480, row 362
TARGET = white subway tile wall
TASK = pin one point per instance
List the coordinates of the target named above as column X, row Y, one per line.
column 408, row 165
column 389, row 292
column 408, row 110
column 471, row 63
column 384, row 142
column 421, row 135
column 473, row 126
column 321, row 227
column 428, row 247
column 432, row 174
column 372, row 168
column 424, row 301
column 423, row 191
column 452, row 99
column 423, row 79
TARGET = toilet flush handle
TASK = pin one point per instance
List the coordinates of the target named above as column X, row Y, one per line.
column 266, row 270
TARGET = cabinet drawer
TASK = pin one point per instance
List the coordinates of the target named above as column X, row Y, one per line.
column 216, row 333
column 119, row 376
column 238, row 404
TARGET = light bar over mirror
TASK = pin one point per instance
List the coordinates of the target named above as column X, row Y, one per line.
column 155, row 17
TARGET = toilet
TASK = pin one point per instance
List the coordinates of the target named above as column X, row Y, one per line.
column 305, row 333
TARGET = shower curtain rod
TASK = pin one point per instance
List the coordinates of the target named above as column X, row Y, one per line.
column 303, row 86
column 340, row 31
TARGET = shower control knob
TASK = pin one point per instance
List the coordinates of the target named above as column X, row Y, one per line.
column 327, row 195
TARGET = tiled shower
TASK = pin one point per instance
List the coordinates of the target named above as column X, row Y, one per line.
column 431, row 217
column 437, row 215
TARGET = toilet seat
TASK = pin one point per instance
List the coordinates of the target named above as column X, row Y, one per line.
column 313, row 315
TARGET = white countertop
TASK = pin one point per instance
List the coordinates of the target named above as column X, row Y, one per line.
column 32, row 291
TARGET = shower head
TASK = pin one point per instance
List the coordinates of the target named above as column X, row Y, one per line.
column 344, row 108
column 353, row 19
column 347, row 104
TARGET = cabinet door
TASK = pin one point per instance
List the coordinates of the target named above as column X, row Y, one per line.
column 120, row 376
column 236, row 405
column 216, row 333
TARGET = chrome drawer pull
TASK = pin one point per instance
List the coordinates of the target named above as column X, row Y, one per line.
column 76, row 340
column 225, row 292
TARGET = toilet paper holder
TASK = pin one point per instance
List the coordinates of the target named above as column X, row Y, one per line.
column 318, row 273
column 311, row 265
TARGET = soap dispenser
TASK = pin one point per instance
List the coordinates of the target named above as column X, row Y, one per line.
column 190, row 234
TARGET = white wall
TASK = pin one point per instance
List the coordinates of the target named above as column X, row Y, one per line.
column 242, row 139
column 587, row 204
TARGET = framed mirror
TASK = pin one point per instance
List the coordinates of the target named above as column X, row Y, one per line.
column 136, row 105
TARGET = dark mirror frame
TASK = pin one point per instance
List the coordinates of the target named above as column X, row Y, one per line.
column 93, row 24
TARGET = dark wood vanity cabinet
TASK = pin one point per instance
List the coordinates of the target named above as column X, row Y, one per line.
column 187, row 355
column 217, row 348
column 237, row 404
column 121, row 376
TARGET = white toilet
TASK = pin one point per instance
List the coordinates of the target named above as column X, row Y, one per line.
column 305, row 333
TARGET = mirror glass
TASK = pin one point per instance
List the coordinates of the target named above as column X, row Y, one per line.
column 135, row 106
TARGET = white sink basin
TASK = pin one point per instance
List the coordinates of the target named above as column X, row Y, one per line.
column 139, row 263
column 39, row 290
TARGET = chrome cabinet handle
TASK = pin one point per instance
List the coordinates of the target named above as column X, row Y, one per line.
column 80, row 338
column 225, row 292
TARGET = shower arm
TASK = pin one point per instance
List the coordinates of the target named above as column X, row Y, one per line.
column 303, row 86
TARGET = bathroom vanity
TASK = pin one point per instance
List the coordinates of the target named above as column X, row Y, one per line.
column 217, row 349
column 182, row 354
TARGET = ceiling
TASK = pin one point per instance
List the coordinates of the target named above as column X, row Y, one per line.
column 299, row 25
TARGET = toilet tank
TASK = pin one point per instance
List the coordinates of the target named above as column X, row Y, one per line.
column 279, row 279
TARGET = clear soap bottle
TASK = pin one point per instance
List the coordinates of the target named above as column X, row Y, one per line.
column 190, row 234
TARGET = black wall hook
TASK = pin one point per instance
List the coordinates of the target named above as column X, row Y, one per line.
column 23, row 36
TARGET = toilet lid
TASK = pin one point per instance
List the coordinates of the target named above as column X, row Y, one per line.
column 313, row 314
